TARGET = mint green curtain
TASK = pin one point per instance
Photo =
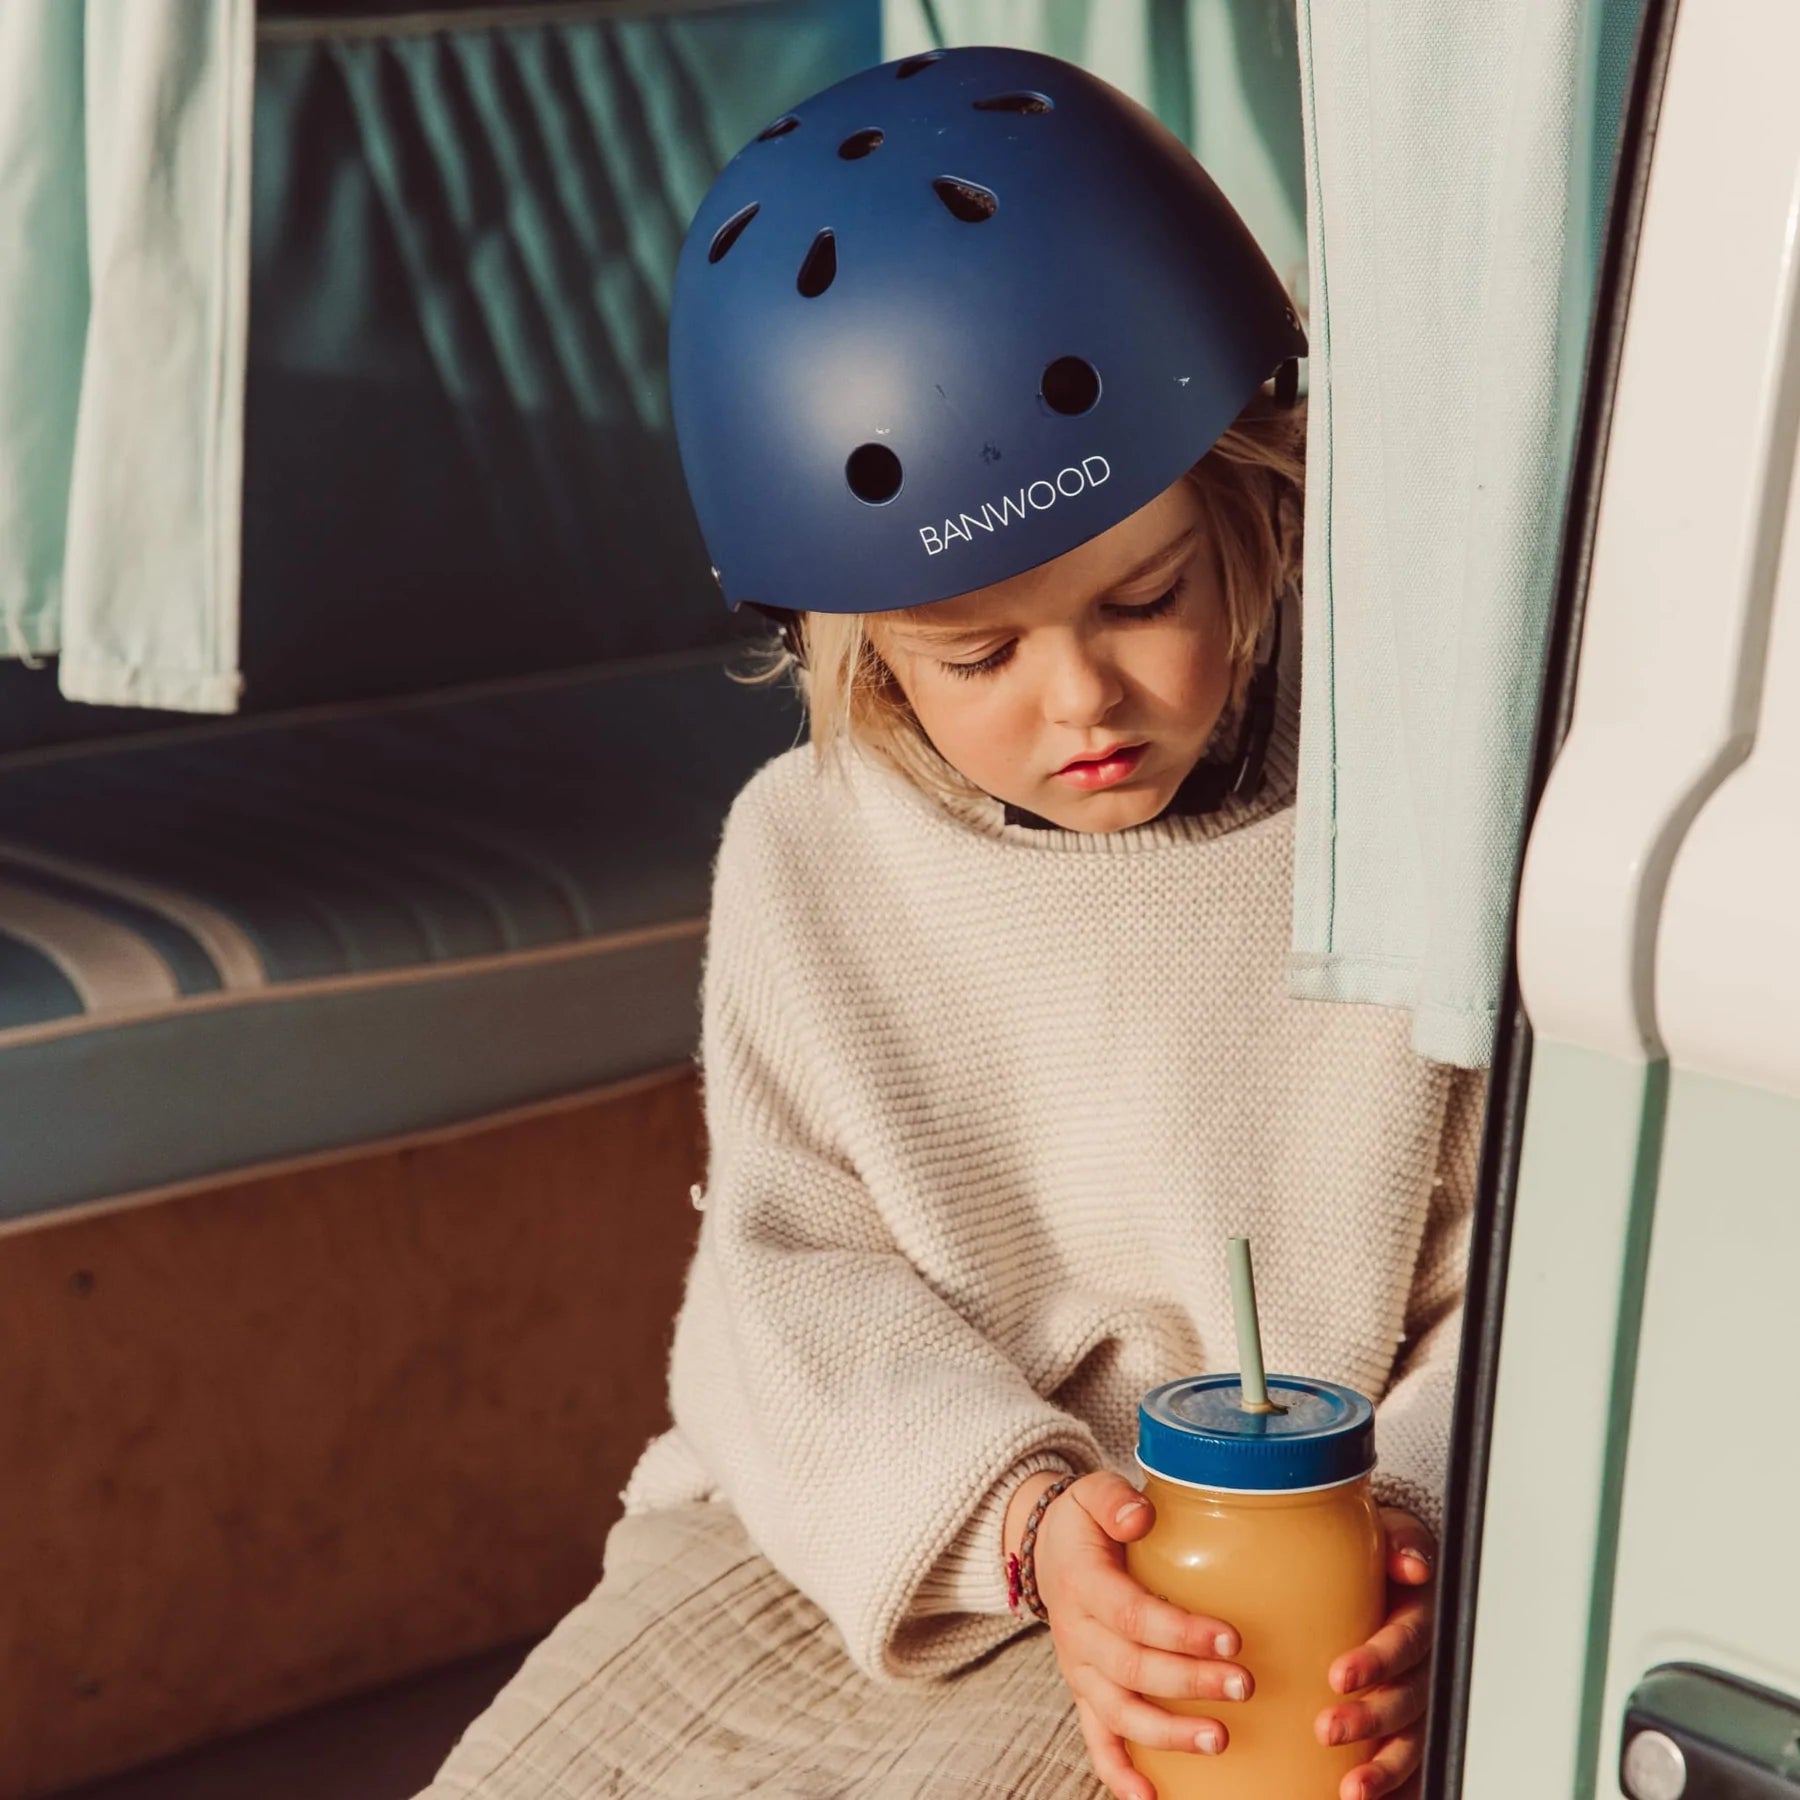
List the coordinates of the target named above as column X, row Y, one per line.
column 124, row 216
column 1460, row 161
column 43, row 310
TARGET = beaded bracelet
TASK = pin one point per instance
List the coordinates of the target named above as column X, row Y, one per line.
column 1021, row 1570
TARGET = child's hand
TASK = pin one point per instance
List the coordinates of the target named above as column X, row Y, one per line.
column 1391, row 1665
column 1116, row 1643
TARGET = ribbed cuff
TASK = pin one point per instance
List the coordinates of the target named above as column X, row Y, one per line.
column 970, row 1576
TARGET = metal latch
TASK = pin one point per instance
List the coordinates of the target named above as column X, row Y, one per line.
column 1693, row 1733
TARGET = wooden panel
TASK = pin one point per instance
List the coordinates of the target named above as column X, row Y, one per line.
column 279, row 1439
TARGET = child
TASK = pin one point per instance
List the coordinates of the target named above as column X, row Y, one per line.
column 969, row 366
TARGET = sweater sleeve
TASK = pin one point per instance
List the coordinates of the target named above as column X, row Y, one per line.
column 866, row 1433
column 1412, row 1424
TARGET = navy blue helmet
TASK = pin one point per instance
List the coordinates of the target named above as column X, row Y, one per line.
column 949, row 319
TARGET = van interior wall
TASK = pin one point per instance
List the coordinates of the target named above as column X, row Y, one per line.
column 300, row 1432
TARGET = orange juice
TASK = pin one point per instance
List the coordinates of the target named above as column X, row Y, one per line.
column 1265, row 1521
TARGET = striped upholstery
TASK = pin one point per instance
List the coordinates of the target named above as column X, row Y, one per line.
column 257, row 940
column 225, row 944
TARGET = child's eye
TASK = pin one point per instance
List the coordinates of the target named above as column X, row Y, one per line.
column 1151, row 608
column 996, row 658
column 986, row 666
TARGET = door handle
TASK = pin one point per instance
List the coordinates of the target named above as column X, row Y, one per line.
column 1693, row 1733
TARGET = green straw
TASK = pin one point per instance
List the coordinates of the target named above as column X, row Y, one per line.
column 1249, row 1332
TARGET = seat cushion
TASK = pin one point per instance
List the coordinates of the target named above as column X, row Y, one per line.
column 255, row 941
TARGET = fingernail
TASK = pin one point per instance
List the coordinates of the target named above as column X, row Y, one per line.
column 1420, row 1557
column 1335, row 1735
column 1224, row 1644
column 1236, row 1688
column 1206, row 1740
column 1130, row 1511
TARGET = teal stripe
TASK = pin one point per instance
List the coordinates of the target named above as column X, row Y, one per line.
column 1645, row 1180
column 32, row 987
column 193, row 969
column 182, row 1095
column 424, row 833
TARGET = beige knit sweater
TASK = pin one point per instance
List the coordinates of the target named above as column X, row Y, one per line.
column 984, row 1104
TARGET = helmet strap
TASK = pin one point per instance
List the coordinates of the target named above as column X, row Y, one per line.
column 788, row 624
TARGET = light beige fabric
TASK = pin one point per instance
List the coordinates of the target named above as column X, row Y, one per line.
column 695, row 1669
column 984, row 1104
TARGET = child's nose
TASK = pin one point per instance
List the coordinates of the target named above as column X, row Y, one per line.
column 1081, row 690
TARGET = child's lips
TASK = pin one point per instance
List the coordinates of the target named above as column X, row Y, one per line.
column 1103, row 771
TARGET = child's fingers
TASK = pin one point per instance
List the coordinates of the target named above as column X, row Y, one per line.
column 1138, row 1720
column 1388, row 1771
column 1379, row 1713
column 1121, row 1604
column 1106, row 1751
column 1411, row 1568
column 1411, row 1548
column 1159, row 1673
column 1401, row 1644
column 1114, row 1505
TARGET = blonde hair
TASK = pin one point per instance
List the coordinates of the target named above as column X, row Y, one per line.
column 1249, row 485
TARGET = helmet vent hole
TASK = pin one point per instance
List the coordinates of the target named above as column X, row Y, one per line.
column 859, row 144
column 1070, row 386
column 733, row 229
column 1016, row 103
column 780, row 128
column 916, row 64
column 819, row 270
column 873, row 472
column 970, row 203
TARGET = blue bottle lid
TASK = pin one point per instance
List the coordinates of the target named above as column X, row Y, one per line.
column 1195, row 1431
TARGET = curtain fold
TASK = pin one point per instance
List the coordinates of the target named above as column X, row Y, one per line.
column 124, row 206
column 43, row 310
